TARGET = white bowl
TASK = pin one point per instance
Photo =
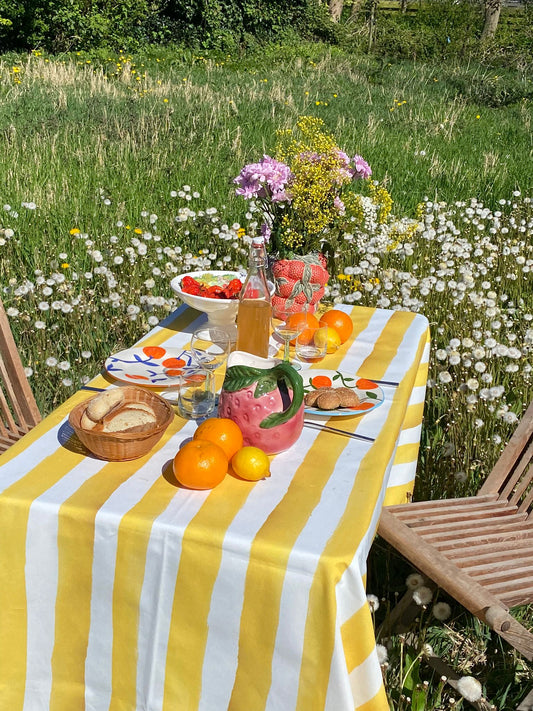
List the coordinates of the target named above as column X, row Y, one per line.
column 220, row 312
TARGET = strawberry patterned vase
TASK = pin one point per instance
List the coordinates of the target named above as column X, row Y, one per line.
column 298, row 281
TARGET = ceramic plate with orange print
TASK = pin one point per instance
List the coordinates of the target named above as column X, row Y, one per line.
column 153, row 366
column 369, row 393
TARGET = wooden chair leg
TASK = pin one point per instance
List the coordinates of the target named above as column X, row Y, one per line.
column 527, row 703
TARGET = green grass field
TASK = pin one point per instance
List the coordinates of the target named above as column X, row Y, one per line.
column 116, row 174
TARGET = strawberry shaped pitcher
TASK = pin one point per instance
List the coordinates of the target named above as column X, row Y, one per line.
column 298, row 281
column 265, row 398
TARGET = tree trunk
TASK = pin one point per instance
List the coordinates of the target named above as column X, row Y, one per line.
column 335, row 9
column 356, row 8
column 492, row 17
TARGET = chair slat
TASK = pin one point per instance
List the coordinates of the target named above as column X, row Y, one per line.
column 499, row 587
column 456, row 539
column 527, row 501
column 476, row 525
column 487, row 552
column 438, row 504
column 512, row 598
column 510, row 455
column 519, row 481
column 18, row 409
column 6, row 413
column 451, row 517
column 464, row 509
column 512, row 571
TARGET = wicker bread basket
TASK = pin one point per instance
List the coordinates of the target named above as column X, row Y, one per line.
column 123, row 446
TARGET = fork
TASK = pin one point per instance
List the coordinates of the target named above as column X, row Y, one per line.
column 334, row 430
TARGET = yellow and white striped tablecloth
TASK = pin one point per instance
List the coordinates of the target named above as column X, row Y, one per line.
column 122, row 592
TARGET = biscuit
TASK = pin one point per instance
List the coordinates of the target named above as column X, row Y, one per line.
column 312, row 397
column 347, row 397
column 104, row 403
column 328, row 401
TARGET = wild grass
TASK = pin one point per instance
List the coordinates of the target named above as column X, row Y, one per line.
column 116, row 174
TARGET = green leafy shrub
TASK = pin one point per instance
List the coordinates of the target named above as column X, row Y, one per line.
column 225, row 25
column 492, row 89
column 439, row 28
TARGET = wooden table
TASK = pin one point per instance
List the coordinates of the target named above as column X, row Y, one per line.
column 121, row 591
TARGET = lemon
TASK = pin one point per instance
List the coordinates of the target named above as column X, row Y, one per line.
column 332, row 340
column 251, row 463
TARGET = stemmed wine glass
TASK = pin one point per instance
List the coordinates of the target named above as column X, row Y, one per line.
column 210, row 347
column 286, row 326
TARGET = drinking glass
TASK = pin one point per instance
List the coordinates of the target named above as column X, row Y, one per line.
column 210, row 347
column 312, row 344
column 196, row 393
column 286, row 329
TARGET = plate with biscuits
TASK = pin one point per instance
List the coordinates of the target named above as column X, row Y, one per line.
column 336, row 394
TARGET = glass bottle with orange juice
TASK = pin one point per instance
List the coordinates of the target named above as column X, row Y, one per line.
column 253, row 318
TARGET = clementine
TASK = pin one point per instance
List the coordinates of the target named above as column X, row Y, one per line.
column 200, row 464
column 340, row 321
column 305, row 324
column 222, row 431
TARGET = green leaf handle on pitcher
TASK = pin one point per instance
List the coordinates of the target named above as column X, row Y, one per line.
column 293, row 380
column 239, row 377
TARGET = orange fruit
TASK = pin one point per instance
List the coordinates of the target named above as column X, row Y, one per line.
column 222, row 431
column 340, row 321
column 200, row 464
column 300, row 320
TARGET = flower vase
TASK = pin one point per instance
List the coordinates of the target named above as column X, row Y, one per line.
column 298, row 281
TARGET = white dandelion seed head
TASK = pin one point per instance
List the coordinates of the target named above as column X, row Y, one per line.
column 423, row 595
column 427, row 650
column 373, row 602
column 383, row 655
column 469, row 688
column 414, row 581
column 441, row 611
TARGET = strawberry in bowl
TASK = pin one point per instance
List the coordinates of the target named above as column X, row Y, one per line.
column 216, row 293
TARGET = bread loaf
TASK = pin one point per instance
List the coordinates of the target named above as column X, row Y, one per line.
column 130, row 419
column 104, row 403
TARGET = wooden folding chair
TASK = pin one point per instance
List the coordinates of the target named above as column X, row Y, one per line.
column 479, row 549
column 18, row 409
